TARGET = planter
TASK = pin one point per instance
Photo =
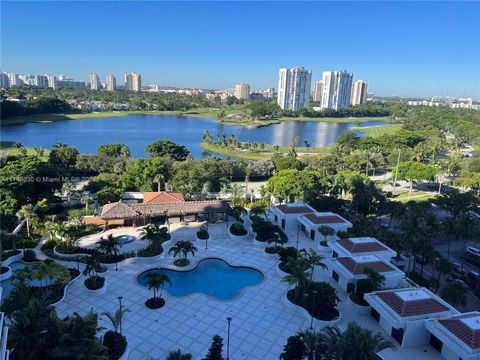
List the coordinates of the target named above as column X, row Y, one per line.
column 259, row 243
column 198, row 239
column 65, row 290
column 270, row 256
column 317, row 323
column 358, row 309
column 70, row 256
column 12, row 259
column 280, row 271
column 238, row 237
column 98, row 291
column 155, row 303
column 126, row 353
column 6, row 274
column 324, row 250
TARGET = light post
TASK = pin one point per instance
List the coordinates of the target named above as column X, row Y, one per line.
column 229, row 320
column 298, row 234
column 120, row 302
column 314, row 292
column 78, row 263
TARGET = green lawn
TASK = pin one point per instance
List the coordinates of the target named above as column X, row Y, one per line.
column 263, row 154
column 380, row 130
column 58, row 117
column 6, row 148
column 335, row 120
column 402, row 196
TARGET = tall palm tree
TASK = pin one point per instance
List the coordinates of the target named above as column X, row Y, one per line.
column 92, row 266
column 312, row 340
column 297, row 274
column 86, row 200
column 28, row 213
column 156, row 281
column 109, row 247
column 67, row 189
column 443, row 266
column 116, row 318
column 50, row 229
column 313, row 259
column 178, row 355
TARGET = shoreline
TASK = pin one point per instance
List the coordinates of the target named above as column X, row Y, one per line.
column 206, row 114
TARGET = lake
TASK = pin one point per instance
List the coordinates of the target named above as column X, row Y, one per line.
column 137, row 131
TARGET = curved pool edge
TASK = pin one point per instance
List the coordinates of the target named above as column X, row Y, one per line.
column 193, row 266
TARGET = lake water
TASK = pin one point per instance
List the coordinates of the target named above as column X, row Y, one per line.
column 137, row 131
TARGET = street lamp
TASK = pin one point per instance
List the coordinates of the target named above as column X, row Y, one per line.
column 78, row 263
column 314, row 292
column 120, row 303
column 298, row 234
column 229, row 320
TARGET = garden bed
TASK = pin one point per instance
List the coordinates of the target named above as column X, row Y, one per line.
column 155, row 303
column 320, row 311
column 181, row 262
column 116, row 345
column 94, row 282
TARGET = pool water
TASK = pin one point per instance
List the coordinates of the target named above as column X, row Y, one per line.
column 212, row 277
column 124, row 239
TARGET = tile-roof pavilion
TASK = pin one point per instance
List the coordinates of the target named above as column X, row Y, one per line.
column 357, row 265
column 465, row 327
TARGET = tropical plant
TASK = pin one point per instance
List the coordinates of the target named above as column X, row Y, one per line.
column 26, row 212
column 202, row 233
column 156, row 281
column 109, row 247
column 294, row 349
column 313, row 258
column 86, row 200
column 116, row 318
column 237, row 229
column 312, row 341
column 183, row 247
column 297, row 274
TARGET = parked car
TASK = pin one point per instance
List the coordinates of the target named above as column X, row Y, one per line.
column 457, row 267
column 474, row 275
column 460, row 282
column 473, row 251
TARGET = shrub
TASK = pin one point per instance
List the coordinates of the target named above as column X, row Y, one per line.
column 273, row 249
column 49, row 244
column 154, row 249
column 202, row 233
column 326, row 300
column 64, row 248
column 265, row 231
column 357, row 299
column 115, row 343
column 155, row 303
column 216, row 348
column 181, row 262
column 94, row 282
column 238, row 229
column 324, row 243
column 29, row 256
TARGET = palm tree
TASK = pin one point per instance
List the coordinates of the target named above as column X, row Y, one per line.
column 455, row 294
column 313, row 343
column 151, row 232
column 26, row 212
column 443, row 266
column 39, row 151
column 50, row 229
column 297, row 274
column 313, row 259
column 92, row 265
column 355, row 343
column 67, row 189
column 184, row 247
column 157, row 281
column 31, row 329
column 109, row 247
column 86, row 200
column 116, row 318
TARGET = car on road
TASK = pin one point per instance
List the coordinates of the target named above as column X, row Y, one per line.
column 457, row 267
column 474, row 275
column 473, row 251
column 460, row 282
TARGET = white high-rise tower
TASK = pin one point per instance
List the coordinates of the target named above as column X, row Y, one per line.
column 359, row 93
column 294, row 88
column 111, row 82
column 337, row 88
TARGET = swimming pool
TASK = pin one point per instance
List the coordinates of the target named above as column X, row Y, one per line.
column 213, row 277
column 124, row 239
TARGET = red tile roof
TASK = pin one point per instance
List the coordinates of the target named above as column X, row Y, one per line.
column 358, row 268
column 412, row 307
column 162, row 197
column 361, row 247
column 325, row 219
column 462, row 331
column 294, row 209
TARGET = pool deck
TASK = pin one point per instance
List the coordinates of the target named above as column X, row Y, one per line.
column 261, row 323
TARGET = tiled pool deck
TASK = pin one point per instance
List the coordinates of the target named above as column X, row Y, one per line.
column 261, row 321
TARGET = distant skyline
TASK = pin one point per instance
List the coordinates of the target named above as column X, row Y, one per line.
column 409, row 49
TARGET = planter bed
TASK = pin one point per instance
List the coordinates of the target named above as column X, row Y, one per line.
column 12, row 258
column 332, row 316
column 239, row 237
column 154, row 304
column 6, row 273
column 359, row 309
column 116, row 344
column 198, row 239
column 100, row 290
column 71, row 255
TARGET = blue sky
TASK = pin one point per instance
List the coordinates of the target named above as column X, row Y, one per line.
column 399, row 48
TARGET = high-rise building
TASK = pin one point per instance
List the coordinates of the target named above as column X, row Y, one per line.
column 133, row 82
column 94, row 81
column 4, row 81
column 14, row 80
column 41, row 81
column 52, row 82
column 294, row 88
column 111, row 82
column 27, row 80
column 317, row 91
column 359, row 93
column 242, row 91
column 337, row 88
